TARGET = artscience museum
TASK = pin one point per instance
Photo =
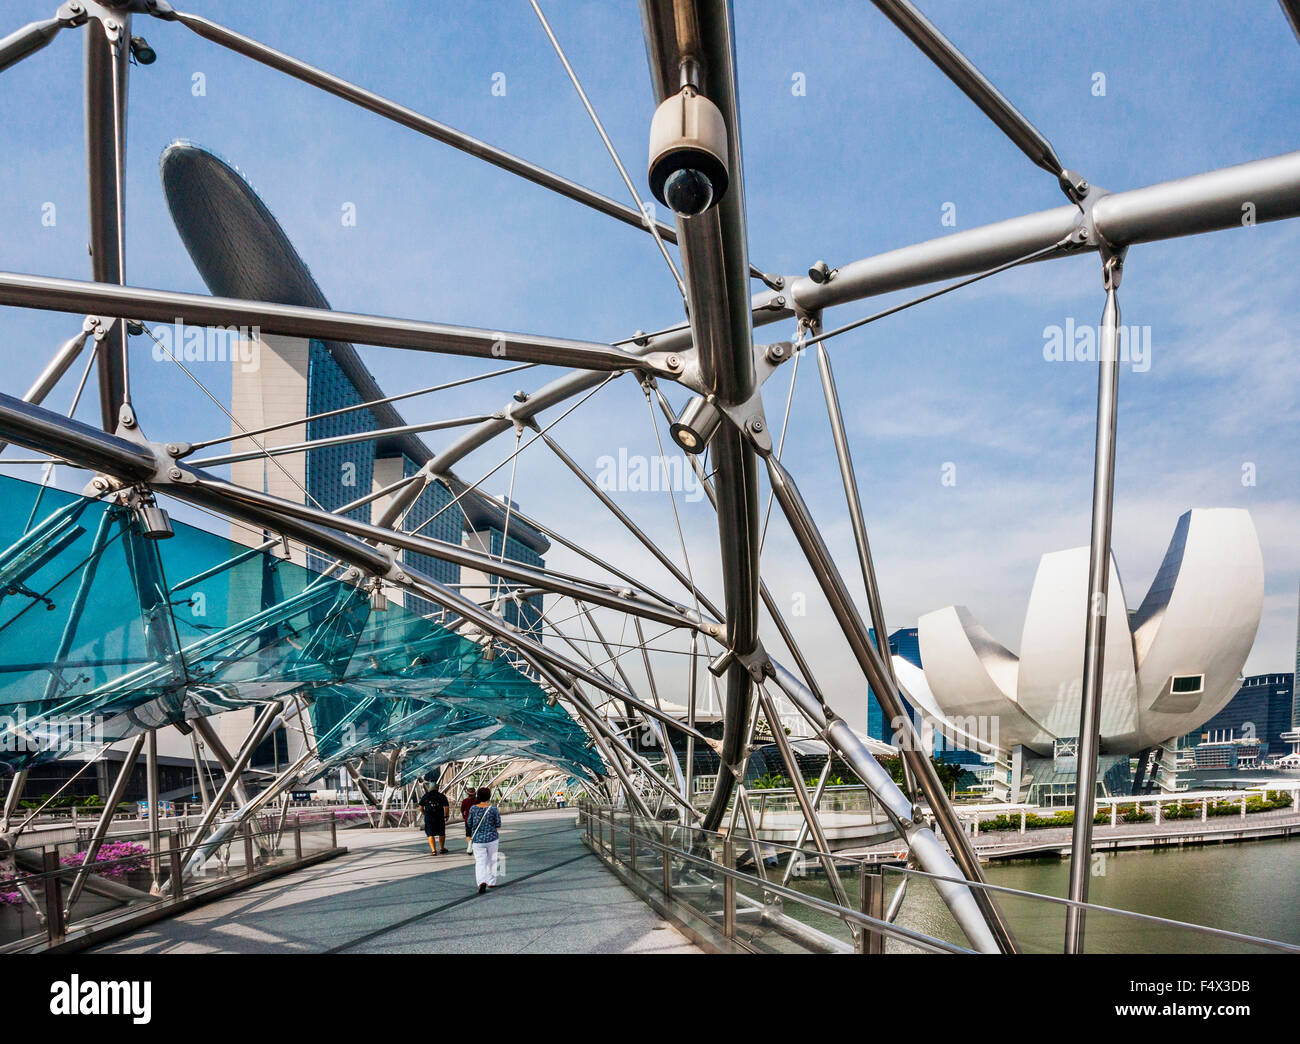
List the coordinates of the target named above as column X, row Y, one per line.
column 1169, row 666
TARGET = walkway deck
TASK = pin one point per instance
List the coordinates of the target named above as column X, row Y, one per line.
column 390, row 895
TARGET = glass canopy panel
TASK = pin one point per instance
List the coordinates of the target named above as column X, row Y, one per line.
column 102, row 626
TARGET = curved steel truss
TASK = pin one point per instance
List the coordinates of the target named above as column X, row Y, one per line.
column 462, row 684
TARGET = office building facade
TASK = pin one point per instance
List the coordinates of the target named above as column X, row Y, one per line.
column 1260, row 710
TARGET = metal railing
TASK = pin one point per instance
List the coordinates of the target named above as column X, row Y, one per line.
column 55, row 896
column 699, row 877
column 750, row 894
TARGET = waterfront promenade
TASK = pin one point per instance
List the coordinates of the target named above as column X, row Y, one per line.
column 1005, row 844
column 388, row 894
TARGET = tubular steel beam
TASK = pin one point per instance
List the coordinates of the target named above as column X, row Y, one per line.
column 59, row 365
column 715, row 259
column 849, row 479
column 28, row 425
column 965, row 903
column 70, row 295
column 631, row 526
column 213, row 490
column 28, row 40
column 106, row 80
column 1094, row 643
column 411, row 119
column 1201, row 202
column 873, row 667
column 336, row 440
column 958, row 68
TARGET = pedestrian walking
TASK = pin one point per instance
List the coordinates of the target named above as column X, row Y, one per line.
column 484, row 826
column 471, row 798
column 435, row 806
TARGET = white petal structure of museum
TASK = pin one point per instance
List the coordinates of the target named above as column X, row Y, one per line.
column 1169, row 666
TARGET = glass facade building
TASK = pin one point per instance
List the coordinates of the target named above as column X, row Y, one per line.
column 1261, row 710
column 906, row 642
column 338, row 475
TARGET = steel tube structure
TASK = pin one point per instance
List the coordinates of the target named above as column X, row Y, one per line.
column 1212, row 201
column 690, row 47
column 217, row 491
column 106, row 93
column 958, row 68
column 111, row 802
column 872, row 665
column 964, row 902
column 856, row 519
column 28, row 40
column 335, row 440
column 1094, row 643
column 715, row 262
column 413, row 120
column 64, row 295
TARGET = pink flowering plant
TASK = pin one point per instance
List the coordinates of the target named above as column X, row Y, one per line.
column 114, row 859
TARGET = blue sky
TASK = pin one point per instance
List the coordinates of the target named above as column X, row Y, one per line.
column 863, row 162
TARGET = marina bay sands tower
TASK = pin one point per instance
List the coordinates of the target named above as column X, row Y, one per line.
column 241, row 251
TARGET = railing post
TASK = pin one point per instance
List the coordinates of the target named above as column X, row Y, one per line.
column 728, row 890
column 55, row 922
column 248, row 847
column 297, row 837
column 174, row 859
column 631, row 844
column 668, row 865
column 871, row 902
column 334, row 830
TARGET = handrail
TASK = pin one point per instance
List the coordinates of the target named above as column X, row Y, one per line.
column 843, row 912
column 852, row 918
column 616, row 819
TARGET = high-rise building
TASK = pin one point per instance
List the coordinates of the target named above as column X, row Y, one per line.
column 1260, row 710
column 242, row 252
column 905, row 643
column 1295, row 678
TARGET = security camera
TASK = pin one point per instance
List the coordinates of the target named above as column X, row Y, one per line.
column 821, row 272
column 688, row 153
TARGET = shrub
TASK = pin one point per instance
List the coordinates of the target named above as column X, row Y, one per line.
column 114, row 858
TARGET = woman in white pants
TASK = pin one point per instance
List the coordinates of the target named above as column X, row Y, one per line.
column 484, row 828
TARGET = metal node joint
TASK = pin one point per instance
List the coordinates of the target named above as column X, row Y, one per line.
column 1086, row 233
column 1074, row 185
column 1112, row 268
column 756, row 662
column 72, row 14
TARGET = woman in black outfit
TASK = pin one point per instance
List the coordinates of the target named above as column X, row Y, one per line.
column 434, row 804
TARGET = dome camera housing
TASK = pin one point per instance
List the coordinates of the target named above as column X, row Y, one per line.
column 688, row 153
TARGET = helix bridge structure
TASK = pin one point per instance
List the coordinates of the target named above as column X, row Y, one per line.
column 324, row 622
